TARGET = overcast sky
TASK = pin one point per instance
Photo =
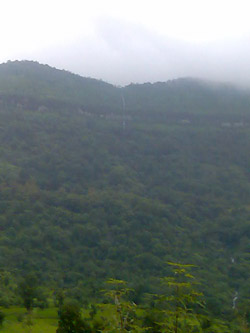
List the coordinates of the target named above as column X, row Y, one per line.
column 123, row 41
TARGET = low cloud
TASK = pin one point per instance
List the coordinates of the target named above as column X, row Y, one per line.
column 121, row 52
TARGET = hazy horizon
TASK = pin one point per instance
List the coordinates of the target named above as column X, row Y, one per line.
column 205, row 80
column 122, row 42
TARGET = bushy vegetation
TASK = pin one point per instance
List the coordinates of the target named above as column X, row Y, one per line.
column 179, row 307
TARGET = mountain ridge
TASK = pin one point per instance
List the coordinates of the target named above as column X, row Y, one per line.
column 46, row 83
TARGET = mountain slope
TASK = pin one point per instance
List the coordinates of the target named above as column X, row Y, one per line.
column 85, row 197
column 42, row 82
column 186, row 95
column 46, row 84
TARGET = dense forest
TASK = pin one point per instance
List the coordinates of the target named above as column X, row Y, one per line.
column 102, row 182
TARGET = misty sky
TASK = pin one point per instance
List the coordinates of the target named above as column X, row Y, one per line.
column 131, row 41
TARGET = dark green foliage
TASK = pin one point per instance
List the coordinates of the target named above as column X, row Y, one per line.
column 70, row 320
column 2, row 316
column 177, row 309
column 28, row 291
column 31, row 294
column 59, row 298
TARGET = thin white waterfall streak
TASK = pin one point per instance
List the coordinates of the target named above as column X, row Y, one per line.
column 123, row 112
column 123, row 103
column 235, row 299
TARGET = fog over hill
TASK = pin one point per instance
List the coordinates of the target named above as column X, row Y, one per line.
column 44, row 83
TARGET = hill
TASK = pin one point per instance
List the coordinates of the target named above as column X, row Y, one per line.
column 87, row 195
column 187, row 95
column 46, row 84
column 31, row 82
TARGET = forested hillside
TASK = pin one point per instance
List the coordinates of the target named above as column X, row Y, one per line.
column 99, row 182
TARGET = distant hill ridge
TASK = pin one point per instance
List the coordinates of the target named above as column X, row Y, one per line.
column 43, row 83
column 31, row 79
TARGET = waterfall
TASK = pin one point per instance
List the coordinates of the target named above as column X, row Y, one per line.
column 235, row 299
